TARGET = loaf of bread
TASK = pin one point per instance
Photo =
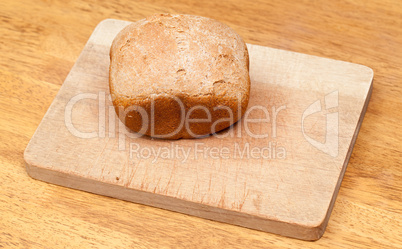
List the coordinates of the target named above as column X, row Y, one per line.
column 179, row 76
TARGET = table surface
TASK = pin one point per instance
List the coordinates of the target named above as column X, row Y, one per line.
column 41, row 40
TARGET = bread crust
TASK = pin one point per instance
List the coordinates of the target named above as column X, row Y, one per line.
column 179, row 76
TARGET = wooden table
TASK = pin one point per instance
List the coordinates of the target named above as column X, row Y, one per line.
column 40, row 41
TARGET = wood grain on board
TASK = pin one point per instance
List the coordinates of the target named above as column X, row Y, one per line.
column 278, row 174
column 41, row 41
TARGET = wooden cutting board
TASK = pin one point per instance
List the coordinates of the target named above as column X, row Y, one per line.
column 280, row 174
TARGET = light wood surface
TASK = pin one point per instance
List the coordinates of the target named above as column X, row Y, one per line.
column 42, row 40
column 263, row 175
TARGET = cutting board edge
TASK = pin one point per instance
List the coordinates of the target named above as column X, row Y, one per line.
column 349, row 154
column 293, row 230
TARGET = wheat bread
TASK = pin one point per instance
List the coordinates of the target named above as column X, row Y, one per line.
column 179, row 76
